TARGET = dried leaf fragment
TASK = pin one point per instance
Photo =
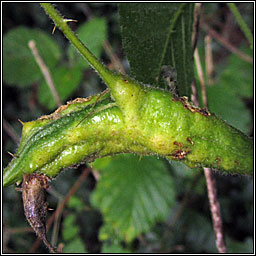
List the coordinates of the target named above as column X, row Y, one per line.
column 35, row 205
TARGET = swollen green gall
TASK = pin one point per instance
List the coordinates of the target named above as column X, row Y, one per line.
column 128, row 118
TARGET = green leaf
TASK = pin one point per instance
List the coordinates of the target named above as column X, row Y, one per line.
column 158, row 34
column 66, row 80
column 113, row 248
column 239, row 74
column 70, row 229
column 184, row 176
column 19, row 65
column 198, row 231
column 75, row 246
column 234, row 246
column 242, row 24
column 76, row 203
column 226, row 97
column 93, row 34
column 132, row 194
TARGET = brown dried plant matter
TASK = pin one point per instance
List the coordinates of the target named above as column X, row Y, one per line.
column 35, row 205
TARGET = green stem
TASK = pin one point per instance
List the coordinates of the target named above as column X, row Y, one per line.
column 61, row 23
column 116, row 82
column 241, row 23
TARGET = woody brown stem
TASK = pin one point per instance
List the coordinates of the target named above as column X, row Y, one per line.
column 215, row 210
column 209, row 176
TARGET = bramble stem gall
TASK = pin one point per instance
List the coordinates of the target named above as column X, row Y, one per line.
column 132, row 118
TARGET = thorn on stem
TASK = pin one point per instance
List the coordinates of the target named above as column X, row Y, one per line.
column 65, row 20
column 21, row 122
column 54, row 28
column 11, row 154
column 68, row 20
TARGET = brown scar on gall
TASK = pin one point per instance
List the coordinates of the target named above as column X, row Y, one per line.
column 237, row 162
column 57, row 112
column 190, row 107
column 178, row 144
column 180, row 154
column 190, row 141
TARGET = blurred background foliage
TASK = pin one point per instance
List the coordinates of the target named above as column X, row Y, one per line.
column 168, row 212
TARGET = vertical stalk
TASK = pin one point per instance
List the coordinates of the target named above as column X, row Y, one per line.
column 209, row 175
column 215, row 210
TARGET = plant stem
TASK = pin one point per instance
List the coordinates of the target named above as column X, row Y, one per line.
column 201, row 76
column 196, row 22
column 10, row 131
column 118, row 66
column 210, row 178
column 241, row 23
column 114, row 59
column 61, row 23
column 45, row 71
column 226, row 44
column 62, row 204
column 209, row 60
column 215, row 210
